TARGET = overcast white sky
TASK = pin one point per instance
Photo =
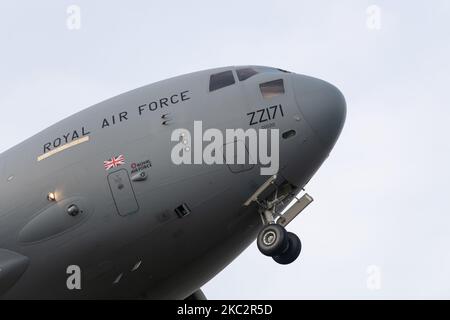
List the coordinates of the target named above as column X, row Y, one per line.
column 382, row 198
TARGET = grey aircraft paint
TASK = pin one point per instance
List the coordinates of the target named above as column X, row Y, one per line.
column 121, row 226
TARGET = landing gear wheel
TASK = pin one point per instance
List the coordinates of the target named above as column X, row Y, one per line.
column 292, row 252
column 272, row 240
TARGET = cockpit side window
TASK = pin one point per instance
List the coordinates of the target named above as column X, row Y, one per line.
column 245, row 73
column 272, row 88
column 221, row 80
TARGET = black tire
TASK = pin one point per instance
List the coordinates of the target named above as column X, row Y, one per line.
column 292, row 252
column 272, row 240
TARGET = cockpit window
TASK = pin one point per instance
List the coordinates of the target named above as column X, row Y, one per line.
column 272, row 88
column 221, row 80
column 245, row 73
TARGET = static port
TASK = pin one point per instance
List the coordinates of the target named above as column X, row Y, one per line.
column 73, row 210
column 288, row 134
column 182, row 210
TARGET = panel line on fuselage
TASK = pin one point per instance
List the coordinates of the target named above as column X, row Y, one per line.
column 63, row 148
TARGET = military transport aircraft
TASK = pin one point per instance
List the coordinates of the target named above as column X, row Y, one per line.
column 95, row 207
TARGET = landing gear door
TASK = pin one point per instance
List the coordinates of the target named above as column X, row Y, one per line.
column 122, row 192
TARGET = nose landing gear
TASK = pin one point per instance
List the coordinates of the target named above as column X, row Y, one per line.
column 292, row 252
column 273, row 240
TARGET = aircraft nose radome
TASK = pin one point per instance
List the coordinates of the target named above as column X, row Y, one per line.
column 323, row 107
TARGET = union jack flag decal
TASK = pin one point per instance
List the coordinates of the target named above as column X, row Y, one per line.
column 114, row 162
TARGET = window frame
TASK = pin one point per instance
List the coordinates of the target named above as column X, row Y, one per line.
column 217, row 83
column 246, row 76
column 272, row 89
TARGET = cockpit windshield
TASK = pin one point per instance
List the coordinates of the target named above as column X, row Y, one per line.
column 221, row 80
column 245, row 73
column 226, row 78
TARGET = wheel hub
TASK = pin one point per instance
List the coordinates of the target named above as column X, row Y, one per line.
column 269, row 238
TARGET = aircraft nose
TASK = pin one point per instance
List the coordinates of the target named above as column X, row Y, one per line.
column 323, row 106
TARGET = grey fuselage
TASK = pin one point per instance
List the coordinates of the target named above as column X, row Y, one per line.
column 127, row 238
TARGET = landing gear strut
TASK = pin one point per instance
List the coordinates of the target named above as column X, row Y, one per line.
column 273, row 240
